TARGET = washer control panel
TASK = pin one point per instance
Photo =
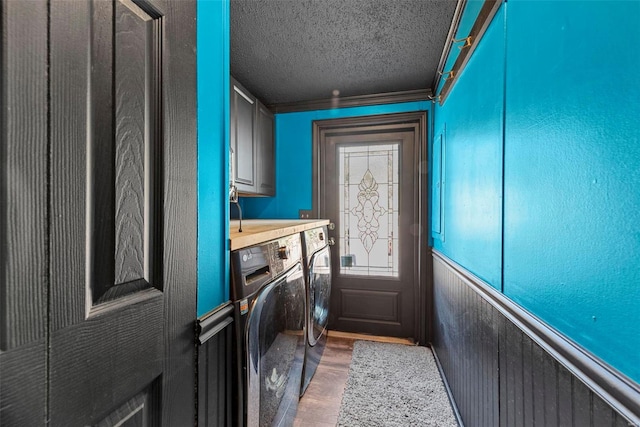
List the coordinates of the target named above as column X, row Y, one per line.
column 254, row 266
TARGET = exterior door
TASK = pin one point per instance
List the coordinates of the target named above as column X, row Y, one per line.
column 370, row 187
column 103, row 122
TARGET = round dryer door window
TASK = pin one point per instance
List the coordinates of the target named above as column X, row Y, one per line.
column 276, row 350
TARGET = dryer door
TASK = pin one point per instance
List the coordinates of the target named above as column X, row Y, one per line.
column 319, row 293
column 275, row 342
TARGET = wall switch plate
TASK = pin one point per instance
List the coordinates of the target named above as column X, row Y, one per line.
column 305, row 214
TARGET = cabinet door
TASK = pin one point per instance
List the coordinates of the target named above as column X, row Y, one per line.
column 243, row 107
column 266, row 152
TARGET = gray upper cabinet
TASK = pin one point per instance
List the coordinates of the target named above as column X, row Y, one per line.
column 252, row 142
column 243, row 141
column 266, row 152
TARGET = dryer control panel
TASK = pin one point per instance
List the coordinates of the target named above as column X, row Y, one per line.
column 284, row 253
column 314, row 240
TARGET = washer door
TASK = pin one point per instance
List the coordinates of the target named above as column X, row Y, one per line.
column 275, row 343
column 319, row 293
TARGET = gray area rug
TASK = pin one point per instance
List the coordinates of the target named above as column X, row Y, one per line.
column 394, row 385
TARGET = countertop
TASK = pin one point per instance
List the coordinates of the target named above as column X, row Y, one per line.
column 256, row 231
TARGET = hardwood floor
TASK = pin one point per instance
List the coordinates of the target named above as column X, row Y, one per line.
column 320, row 405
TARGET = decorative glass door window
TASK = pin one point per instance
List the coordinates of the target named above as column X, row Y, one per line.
column 368, row 233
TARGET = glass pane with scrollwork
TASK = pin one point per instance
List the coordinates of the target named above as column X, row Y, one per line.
column 368, row 203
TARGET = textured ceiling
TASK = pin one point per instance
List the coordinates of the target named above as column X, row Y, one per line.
column 303, row 50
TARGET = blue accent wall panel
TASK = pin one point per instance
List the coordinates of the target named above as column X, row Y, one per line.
column 213, row 153
column 294, row 158
column 572, row 171
column 472, row 122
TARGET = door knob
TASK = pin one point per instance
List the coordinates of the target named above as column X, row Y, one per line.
column 331, row 241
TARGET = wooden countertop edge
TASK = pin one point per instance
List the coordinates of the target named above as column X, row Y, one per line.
column 280, row 228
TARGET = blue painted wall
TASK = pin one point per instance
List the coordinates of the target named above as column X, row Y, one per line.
column 572, row 171
column 471, row 123
column 213, row 153
column 294, row 158
column 571, row 149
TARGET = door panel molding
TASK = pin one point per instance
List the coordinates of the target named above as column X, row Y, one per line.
column 140, row 410
column 384, row 306
column 124, row 152
column 123, row 242
column 81, row 389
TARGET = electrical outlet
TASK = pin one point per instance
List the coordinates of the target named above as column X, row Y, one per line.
column 305, row 214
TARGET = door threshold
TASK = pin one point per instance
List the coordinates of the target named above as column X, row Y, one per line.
column 366, row 337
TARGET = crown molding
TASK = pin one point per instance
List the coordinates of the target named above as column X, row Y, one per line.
column 352, row 101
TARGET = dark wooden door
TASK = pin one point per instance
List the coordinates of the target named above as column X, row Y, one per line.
column 115, row 225
column 370, row 188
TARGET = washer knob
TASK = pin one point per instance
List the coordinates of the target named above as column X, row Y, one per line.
column 283, row 252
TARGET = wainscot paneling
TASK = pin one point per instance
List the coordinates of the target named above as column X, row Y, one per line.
column 503, row 367
column 215, row 352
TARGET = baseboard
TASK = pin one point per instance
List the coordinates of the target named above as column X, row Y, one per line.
column 452, row 400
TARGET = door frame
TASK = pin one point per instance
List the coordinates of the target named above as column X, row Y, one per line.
column 389, row 122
